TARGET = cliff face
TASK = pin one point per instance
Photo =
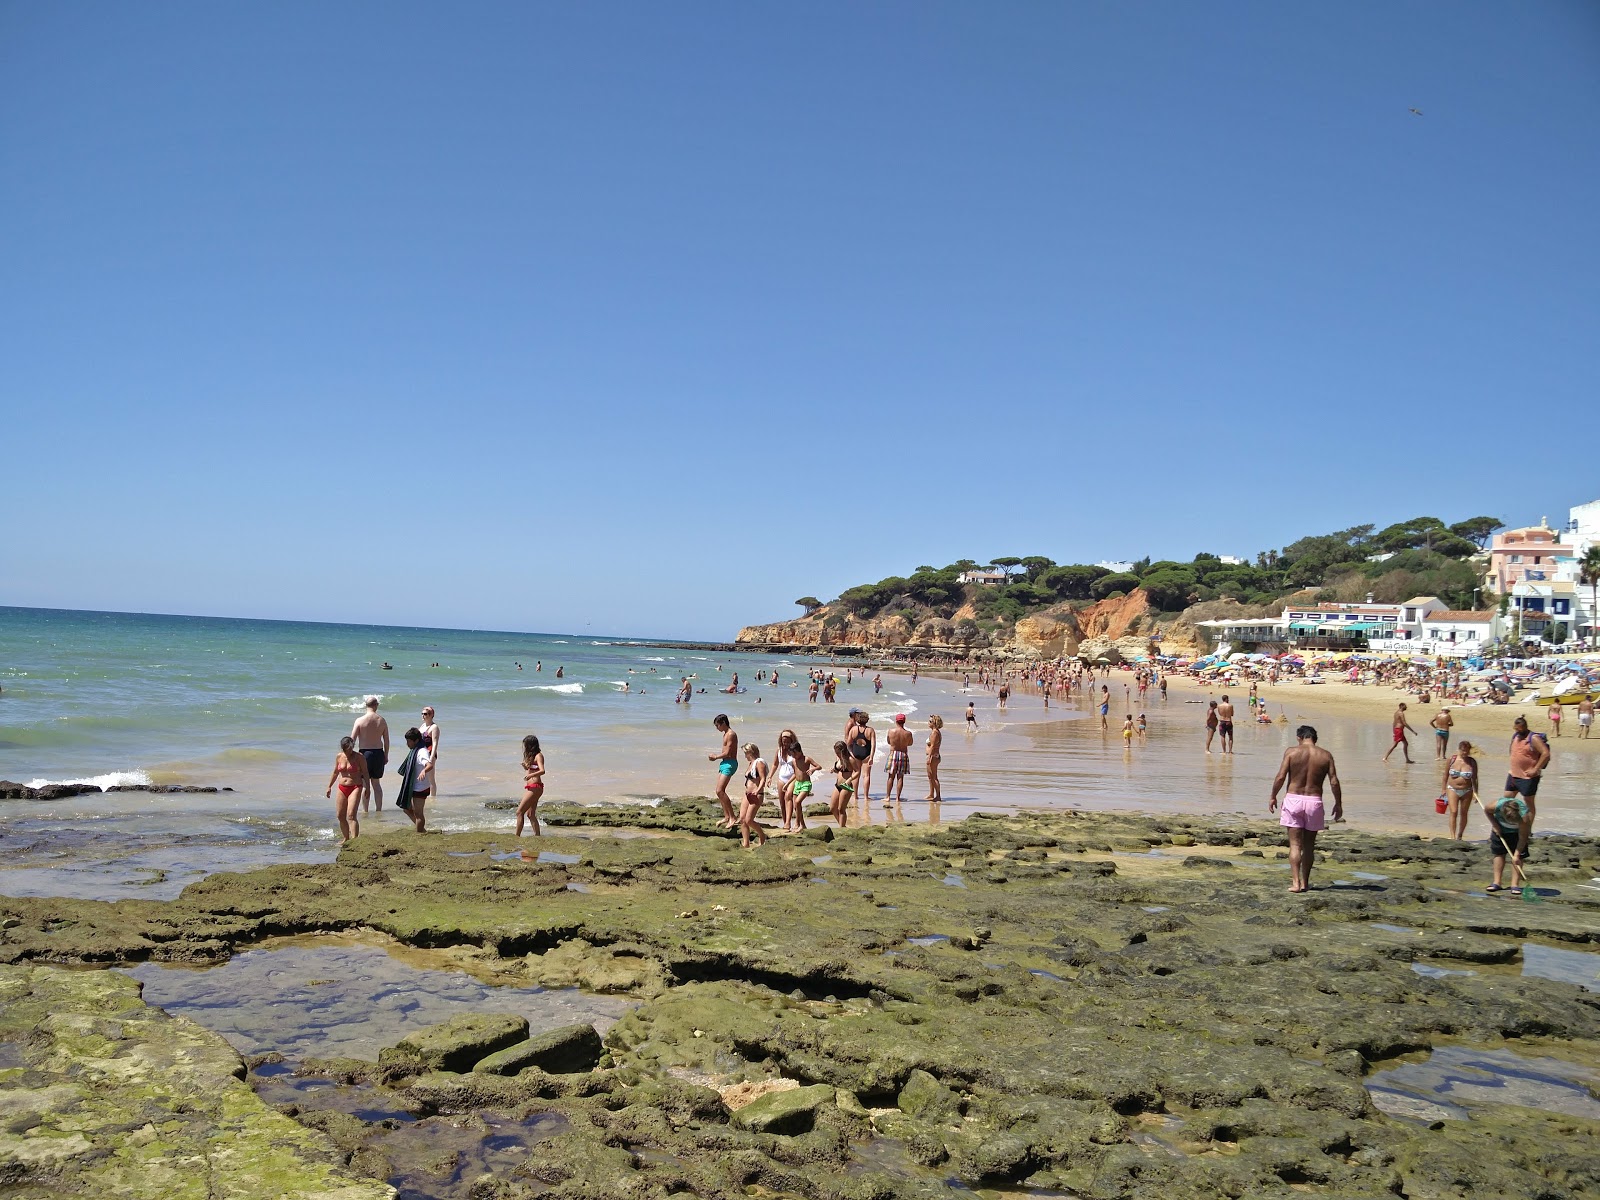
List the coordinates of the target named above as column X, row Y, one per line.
column 1109, row 628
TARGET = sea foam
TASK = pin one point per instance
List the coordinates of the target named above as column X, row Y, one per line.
column 109, row 779
column 566, row 689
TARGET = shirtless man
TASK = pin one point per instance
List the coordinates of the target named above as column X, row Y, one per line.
column 429, row 730
column 727, row 760
column 1442, row 721
column 899, row 739
column 1305, row 767
column 371, row 733
column 1401, row 726
column 1225, row 724
column 1585, row 715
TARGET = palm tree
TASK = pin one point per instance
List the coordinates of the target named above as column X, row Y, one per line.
column 1589, row 574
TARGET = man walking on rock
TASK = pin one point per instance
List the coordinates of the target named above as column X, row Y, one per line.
column 1305, row 768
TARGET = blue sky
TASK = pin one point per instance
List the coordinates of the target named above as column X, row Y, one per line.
column 651, row 318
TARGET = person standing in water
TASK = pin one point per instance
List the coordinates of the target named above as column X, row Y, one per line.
column 1225, row 724
column 935, row 741
column 1401, row 727
column 416, row 780
column 1305, row 768
column 532, row 784
column 899, row 739
column 371, row 733
column 863, row 743
column 972, row 715
column 1442, row 721
column 1211, row 725
column 350, row 774
column 1105, row 708
column 430, row 737
column 727, row 760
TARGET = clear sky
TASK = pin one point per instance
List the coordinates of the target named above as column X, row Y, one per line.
column 650, row 318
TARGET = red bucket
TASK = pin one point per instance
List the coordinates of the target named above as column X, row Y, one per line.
column 1441, row 804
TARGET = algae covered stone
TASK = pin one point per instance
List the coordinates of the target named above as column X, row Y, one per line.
column 114, row 1098
column 560, row 1052
column 925, row 1097
column 790, row 1112
column 458, row 1043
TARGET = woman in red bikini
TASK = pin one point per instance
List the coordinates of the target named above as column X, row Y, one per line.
column 350, row 774
column 532, row 784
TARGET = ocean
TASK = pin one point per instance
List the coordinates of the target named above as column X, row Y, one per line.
column 260, row 706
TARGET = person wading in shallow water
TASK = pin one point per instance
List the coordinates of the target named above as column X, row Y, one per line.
column 371, row 733
column 1305, row 768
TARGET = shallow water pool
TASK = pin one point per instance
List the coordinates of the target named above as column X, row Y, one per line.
column 348, row 995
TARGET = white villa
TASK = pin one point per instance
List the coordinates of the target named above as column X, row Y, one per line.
column 983, row 578
column 1421, row 625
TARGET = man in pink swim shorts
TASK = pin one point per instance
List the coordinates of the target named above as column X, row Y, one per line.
column 1306, row 766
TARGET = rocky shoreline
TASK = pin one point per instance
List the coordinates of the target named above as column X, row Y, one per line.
column 58, row 791
column 1083, row 1004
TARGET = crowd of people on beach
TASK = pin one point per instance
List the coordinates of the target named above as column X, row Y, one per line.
column 790, row 778
column 793, row 777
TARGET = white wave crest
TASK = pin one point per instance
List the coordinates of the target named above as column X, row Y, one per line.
column 350, row 704
column 109, row 779
column 565, row 689
column 652, row 658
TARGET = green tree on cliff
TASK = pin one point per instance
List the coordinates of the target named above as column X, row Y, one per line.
column 809, row 603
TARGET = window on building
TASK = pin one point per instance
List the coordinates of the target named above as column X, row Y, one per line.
column 1516, row 558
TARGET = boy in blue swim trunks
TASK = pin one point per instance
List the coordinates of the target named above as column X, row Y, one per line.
column 727, row 760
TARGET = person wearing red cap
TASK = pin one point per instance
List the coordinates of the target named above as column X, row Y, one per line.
column 899, row 739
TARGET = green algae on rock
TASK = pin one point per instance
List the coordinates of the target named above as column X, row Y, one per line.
column 1085, row 1013
column 110, row 1097
column 457, row 1044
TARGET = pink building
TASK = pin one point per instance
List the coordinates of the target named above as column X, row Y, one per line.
column 1519, row 555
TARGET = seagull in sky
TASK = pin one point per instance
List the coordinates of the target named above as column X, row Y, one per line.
column 1416, row 112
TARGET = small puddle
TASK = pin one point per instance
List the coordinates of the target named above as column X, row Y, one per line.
column 1045, row 975
column 818, row 879
column 822, row 858
column 443, row 1158
column 348, row 995
column 1581, row 967
column 550, row 856
column 1455, row 1080
column 574, row 886
column 954, row 880
column 928, row 939
column 1432, row 972
column 1154, row 908
column 1367, row 875
column 1394, row 928
column 275, row 1083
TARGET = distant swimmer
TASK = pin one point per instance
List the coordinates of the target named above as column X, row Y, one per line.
column 386, row 667
column 1305, row 768
column 1416, row 112
column 560, row 671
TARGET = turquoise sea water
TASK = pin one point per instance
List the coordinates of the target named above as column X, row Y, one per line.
column 260, row 706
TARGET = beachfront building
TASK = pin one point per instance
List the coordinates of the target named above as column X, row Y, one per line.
column 1583, row 526
column 1524, row 554
column 1536, row 605
column 1314, row 626
column 1455, row 633
column 983, row 578
column 1253, row 633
